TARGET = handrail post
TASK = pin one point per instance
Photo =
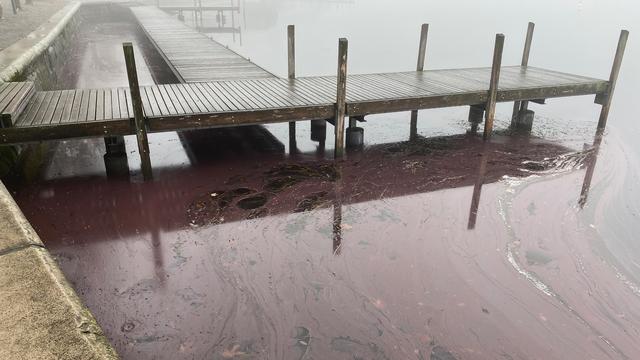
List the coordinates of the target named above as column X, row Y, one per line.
column 341, row 93
column 291, row 67
column 493, row 86
column 422, row 49
column 518, row 105
column 141, row 130
column 613, row 78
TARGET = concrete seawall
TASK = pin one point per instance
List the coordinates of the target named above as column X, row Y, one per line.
column 41, row 317
column 37, row 56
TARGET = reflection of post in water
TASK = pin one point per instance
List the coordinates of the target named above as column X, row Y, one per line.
column 592, row 157
column 337, row 213
column 477, row 188
column 337, row 226
column 158, row 262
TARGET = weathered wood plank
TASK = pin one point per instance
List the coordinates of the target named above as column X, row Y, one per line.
column 92, row 106
column 62, row 101
column 47, row 118
column 17, row 105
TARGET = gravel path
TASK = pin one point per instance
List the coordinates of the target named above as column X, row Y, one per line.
column 16, row 27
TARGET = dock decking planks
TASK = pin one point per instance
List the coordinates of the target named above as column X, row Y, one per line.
column 193, row 56
column 49, row 114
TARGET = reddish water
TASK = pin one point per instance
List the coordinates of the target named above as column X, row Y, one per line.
column 445, row 248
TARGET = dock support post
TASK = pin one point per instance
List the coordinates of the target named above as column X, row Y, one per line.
column 115, row 157
column 523, row 105
column 493, row 86
column 613, row 78
column 291, row 66
column 341, row 94
column 476, row 112
column 422, row 50
column 141, row 130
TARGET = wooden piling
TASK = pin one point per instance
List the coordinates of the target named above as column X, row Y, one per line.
column 517, row 106
column 341, row 95
column 493, row 86
column 291, row 56
column 291, row 51
column 141, row 130
column 422, row 50
column 613, row 78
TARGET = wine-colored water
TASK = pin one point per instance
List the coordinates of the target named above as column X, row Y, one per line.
column 443, row 248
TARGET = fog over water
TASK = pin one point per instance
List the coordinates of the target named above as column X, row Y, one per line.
column 242, row 248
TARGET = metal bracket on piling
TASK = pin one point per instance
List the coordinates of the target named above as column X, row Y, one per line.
column 341, row 92
column 141, row 130
column 493, row 86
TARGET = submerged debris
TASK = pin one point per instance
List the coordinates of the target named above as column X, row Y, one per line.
column 283, row 176
column 252, row 202
column 312, row 202
column 440, row 353
column 208, row 208
column 420, row 146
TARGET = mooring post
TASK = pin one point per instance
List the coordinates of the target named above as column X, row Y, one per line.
column 517, row 106
column 613, row 78
column 422, row 51
column 341, row 95
column 493, row 86
column 591, row 160
column 14, row 6
column 291, row 66
column 141, row 130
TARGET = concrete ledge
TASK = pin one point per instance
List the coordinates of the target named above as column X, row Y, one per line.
column 15, row 230
column 41, row 317
column 17, row 57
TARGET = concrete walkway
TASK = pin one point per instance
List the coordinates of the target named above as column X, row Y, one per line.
column 16, row 27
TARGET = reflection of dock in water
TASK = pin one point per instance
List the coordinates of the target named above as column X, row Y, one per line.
column 379, row 172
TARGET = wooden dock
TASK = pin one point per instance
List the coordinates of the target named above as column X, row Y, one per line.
column 191, row 55
column 50, row 115
column 105, row 112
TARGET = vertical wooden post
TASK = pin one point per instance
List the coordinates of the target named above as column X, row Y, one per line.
column 291, row 51
column 141, row 130
column 517, row 106
column 591, row 160
column 422, row 50
column 613, row 78
column 291, row 67
column 341, row 95
column 493, row 86
column 14, row 7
